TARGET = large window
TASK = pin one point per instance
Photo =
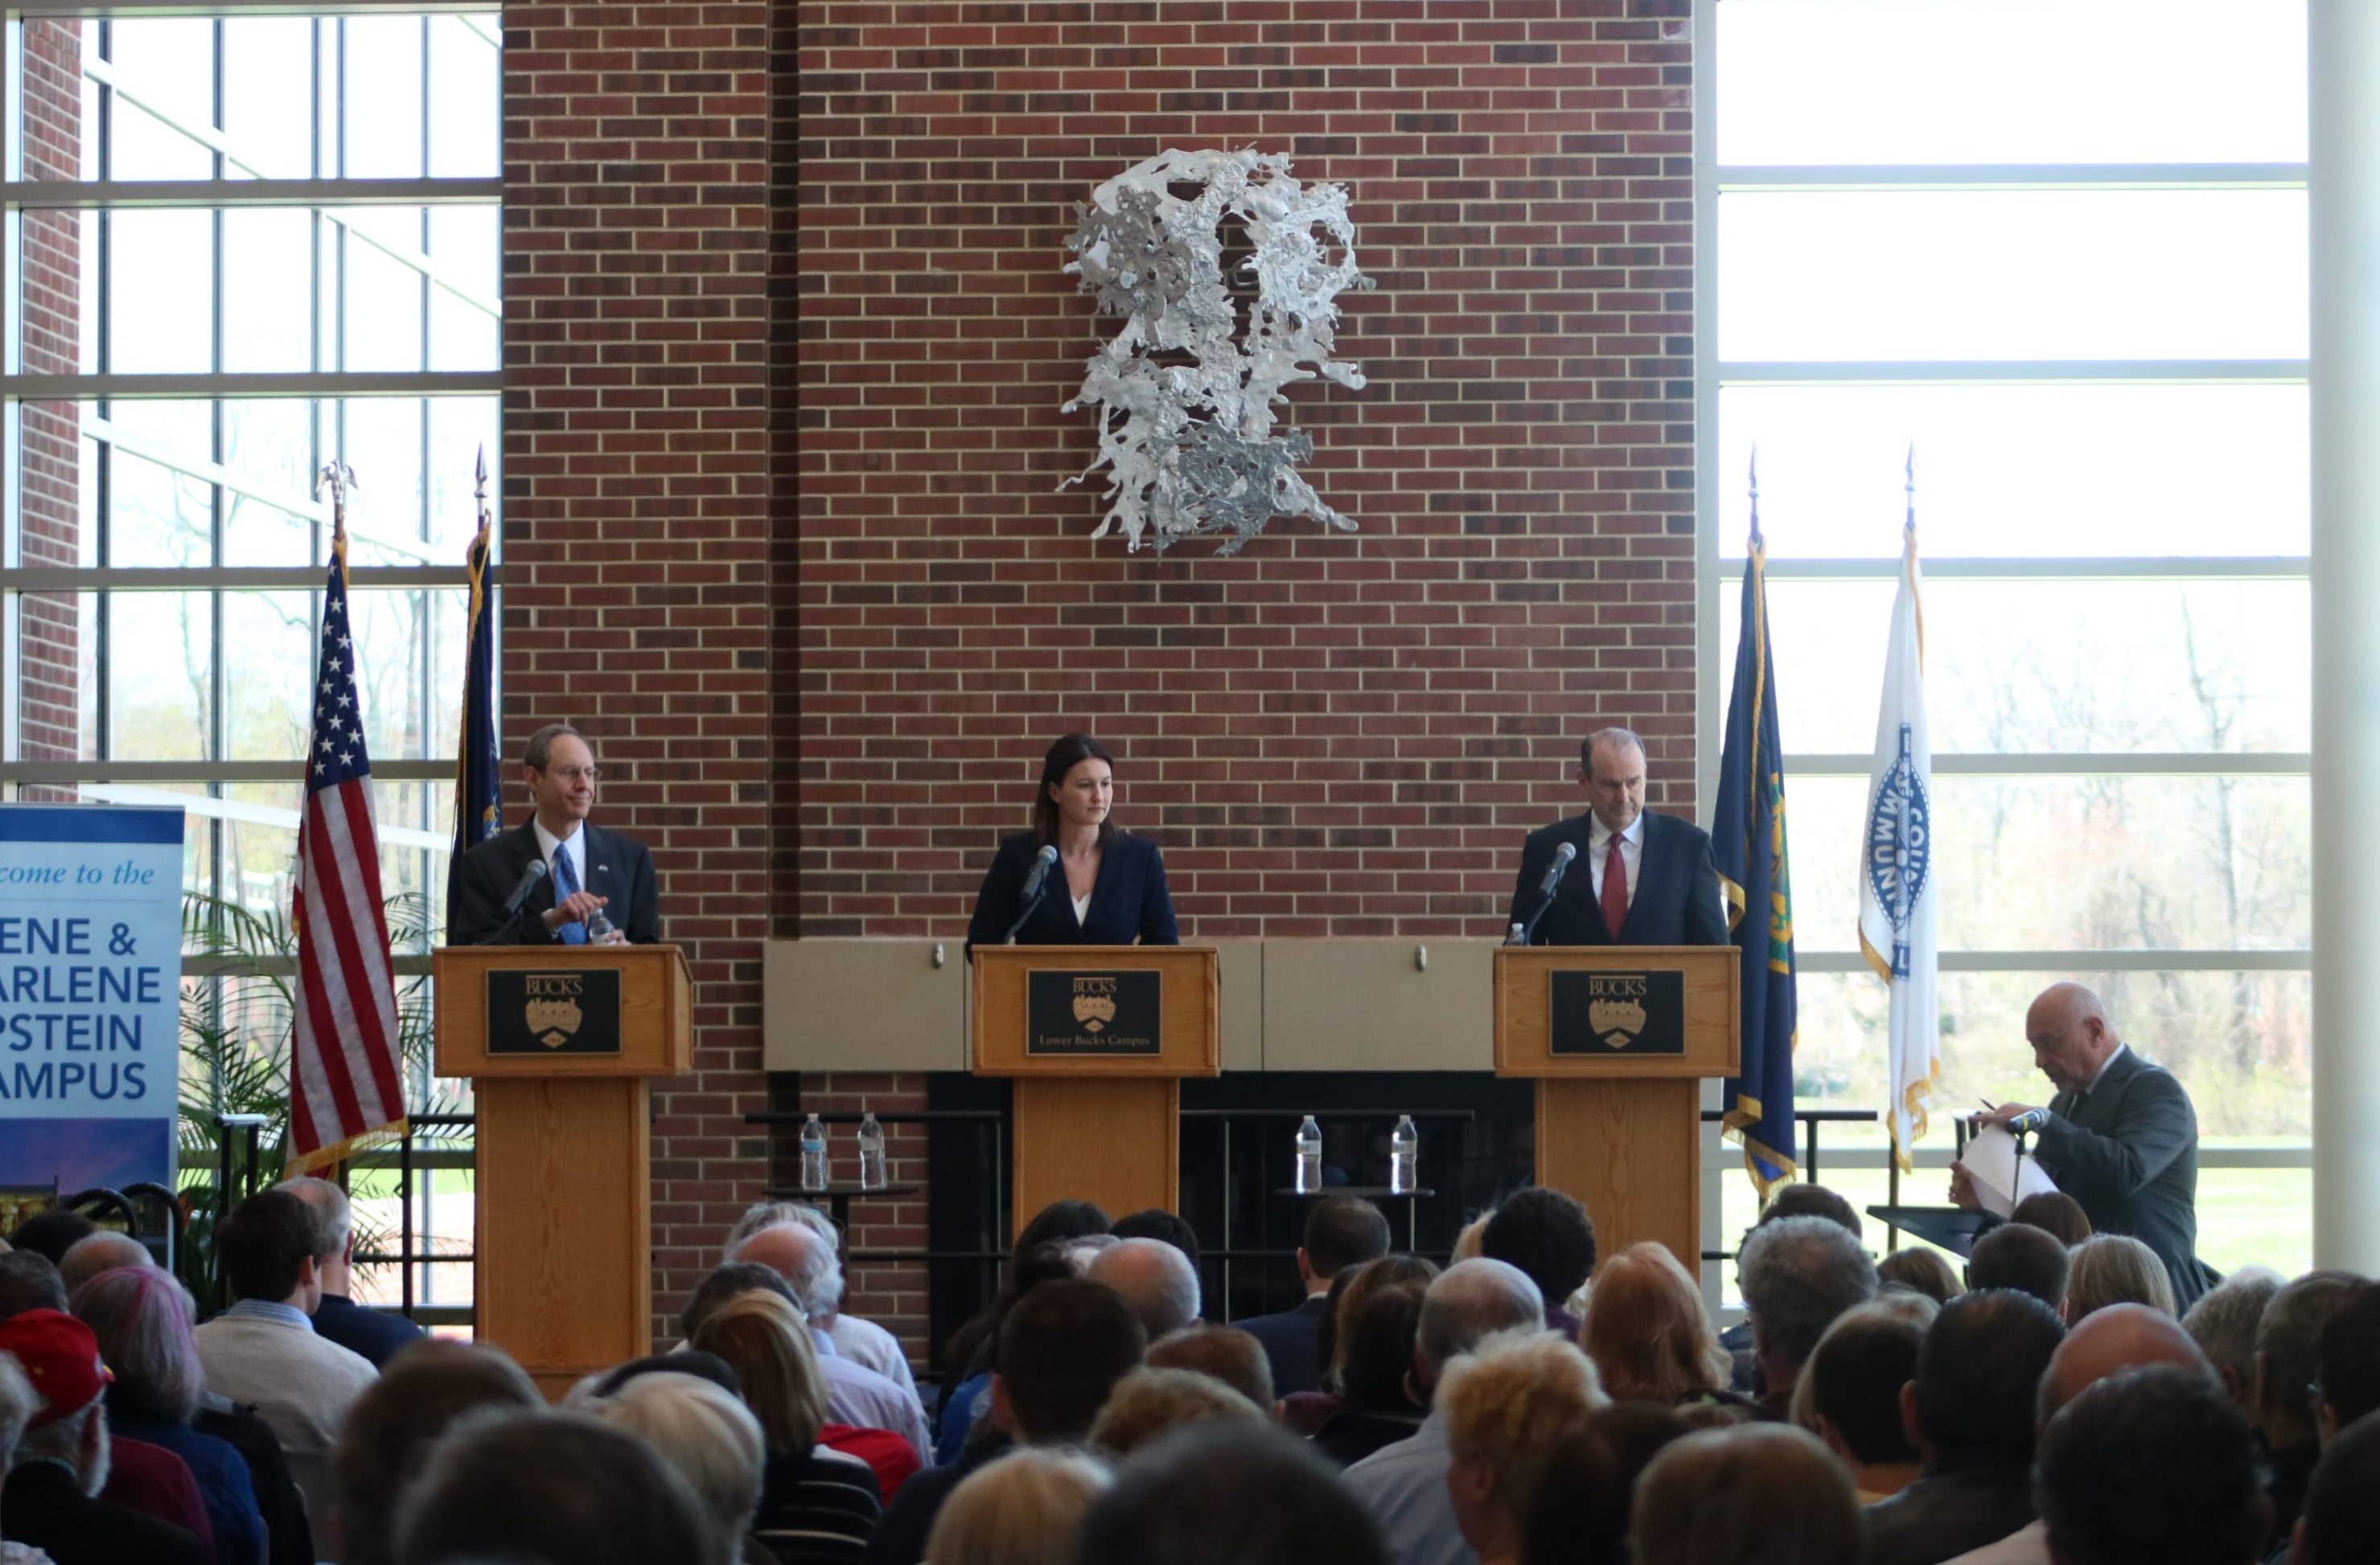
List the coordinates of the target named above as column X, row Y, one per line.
column 2074, row 279
column 237, row 249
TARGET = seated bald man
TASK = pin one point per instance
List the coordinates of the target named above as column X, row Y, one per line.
column 2122, row 1136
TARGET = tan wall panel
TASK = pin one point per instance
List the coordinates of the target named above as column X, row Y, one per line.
column 863, row 1005
column 1239, row 976
column 1370, row 1005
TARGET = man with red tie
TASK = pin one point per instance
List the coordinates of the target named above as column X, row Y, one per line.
column 1634, row 879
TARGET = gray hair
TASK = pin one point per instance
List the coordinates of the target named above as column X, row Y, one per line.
column 540, row 748
column 1614, row 735
column 19, row 1403
column 1083, row 1253
column 703, row 1431
column 62, row 1442
column 1798, row 1274
column 141, row 1317
column 1470, row 1301
column 795, row 1214
column 817, row 1276
column 333, row 1217
column 103, row 1251
column 2223, row 1322
column 1155, row 1278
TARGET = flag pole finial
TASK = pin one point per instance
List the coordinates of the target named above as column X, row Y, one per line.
column 1753, row 472
column 1909, row 488
column 480, row 488
column 338, row 477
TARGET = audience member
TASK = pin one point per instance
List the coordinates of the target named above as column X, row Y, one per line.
column 373, row 1335
column 853, row 1337
column 60, row 1460
column 2115, row 1268
column 1580, row 1514
column 1969, row 1411
column 2056, row 1213
column 1799, row 1199
column 1060, row 1221
column 263, row 1351
column 51, row 1233
column 724, row 1283
column 1920, row 1271
column 2347, row 1361
column 2223, row 1323
column 1549, row 1237
column 1156, row 1222
column 1220, row 1353
column 1798, row 1274
column 1761, row 1494
column 1169, row 1506
column 550, row 1488
column 2019, row 1255
column 19, row 1403
column 1340, row 1232
column 1405, row 1485
column 1377, row 1404
column 810, row 1494
column 1081, row 1253
column 1466, row 1241
column 1854, row 1381
column 1155, row 1278
column 1507, row 1402
column 2341, row 1524
column 1062, row 1347
column 29, row 1281
column 1025, row 1509
column 855, row 1394
column 2289, row 1360
column 1148, row 1402
column 1646, row 1330
column 396, row 1423
column 711, row 1440
column 678, row 1361
column 966, row 1397
column 104, row 1251
column 1349, row 1291
column 2152, row 1466
column 140, row 1318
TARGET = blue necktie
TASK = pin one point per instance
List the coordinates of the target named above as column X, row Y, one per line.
column 565, row 886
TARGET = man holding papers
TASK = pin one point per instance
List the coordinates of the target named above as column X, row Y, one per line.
column 2119, row 1136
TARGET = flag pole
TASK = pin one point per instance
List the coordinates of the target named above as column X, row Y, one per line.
column 1754, row 472
column 338, row 477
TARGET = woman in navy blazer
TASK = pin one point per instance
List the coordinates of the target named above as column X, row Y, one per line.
column 1107, row 888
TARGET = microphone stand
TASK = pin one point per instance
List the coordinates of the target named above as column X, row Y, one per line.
column 1529, row 930
column 1030, row 905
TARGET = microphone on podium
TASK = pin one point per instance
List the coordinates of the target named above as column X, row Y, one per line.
column 1554, row 872
column 529, row 878
column 1035, row 884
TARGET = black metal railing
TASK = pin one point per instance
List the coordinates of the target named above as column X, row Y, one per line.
column 409, row 1159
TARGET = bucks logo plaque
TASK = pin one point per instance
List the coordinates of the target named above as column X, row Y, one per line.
column 1108, row 1013
column 1619, row 1013
column 570, row 1010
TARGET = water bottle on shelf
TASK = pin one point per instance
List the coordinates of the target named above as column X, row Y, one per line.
column 814, row 1175
column 1404, row 1154
column 1309, row 1179
column 871, row 1155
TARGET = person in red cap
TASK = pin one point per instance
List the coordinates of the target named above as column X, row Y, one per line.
column 49, row 1501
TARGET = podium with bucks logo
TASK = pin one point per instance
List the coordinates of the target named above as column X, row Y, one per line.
column 561, row 1043
column 1098, row 1038
column 1618, row 1039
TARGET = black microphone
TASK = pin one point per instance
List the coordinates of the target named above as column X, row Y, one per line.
column 1554, row 873
column 2029, row 1121
column 529, row 878
column 1031, row 896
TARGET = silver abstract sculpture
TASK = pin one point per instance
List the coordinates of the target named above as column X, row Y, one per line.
column 1186, row 390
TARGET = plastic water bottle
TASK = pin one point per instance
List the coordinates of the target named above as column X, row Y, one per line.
column 1517, row 935
column 1310, row 1156
column 1404, row 1154
column 871, row 1155
column 598, row 928
column 814, row 1154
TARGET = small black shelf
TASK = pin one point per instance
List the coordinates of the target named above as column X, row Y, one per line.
column 1368, row 1192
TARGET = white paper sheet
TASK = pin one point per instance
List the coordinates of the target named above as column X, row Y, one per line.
column 2001, row 1177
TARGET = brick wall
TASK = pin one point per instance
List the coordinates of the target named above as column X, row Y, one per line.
column 49, row 644
column 637, row 504
column 1329, row 736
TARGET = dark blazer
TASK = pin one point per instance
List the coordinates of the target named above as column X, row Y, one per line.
column 43, row 1506
column 1954, row 1508
column 373, row 1334
column 1676, row 897
column 483, row 879
column 1289, row 1340
column 2128, row 1151
column 1128, row 902
column 289, row 1537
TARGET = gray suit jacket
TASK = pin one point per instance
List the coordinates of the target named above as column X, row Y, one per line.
column 2128, row 1151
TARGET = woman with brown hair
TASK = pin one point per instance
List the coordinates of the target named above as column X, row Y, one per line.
column 1075, row 879
column 1646, row 1331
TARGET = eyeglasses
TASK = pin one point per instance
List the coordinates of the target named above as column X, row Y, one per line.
column 572, row 773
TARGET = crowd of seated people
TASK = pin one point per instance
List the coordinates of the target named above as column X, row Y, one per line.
column 1528, row 1404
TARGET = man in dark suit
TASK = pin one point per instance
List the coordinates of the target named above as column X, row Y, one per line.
column 1647, row 880
column 588, row 869
column 2121, row 1138
column 372, row 1334
column 1341, row 1231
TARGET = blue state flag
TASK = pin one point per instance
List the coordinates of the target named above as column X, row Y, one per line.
column 478, row 790
column 1748, row 842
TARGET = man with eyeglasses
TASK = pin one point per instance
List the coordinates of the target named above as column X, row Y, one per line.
column 594, row 887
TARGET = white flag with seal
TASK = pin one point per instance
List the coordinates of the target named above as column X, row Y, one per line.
column 1897, row 892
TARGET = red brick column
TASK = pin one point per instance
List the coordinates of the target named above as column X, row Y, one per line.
column 49, row 643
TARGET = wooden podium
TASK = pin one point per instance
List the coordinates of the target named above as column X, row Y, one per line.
column 1616, row 1038
column 561, row 1042
column 1098, row 1038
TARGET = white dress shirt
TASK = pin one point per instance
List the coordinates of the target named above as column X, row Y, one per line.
column 574, row 845
column 1632, row 852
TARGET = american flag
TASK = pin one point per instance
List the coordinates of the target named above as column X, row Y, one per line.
column 343, row 1081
